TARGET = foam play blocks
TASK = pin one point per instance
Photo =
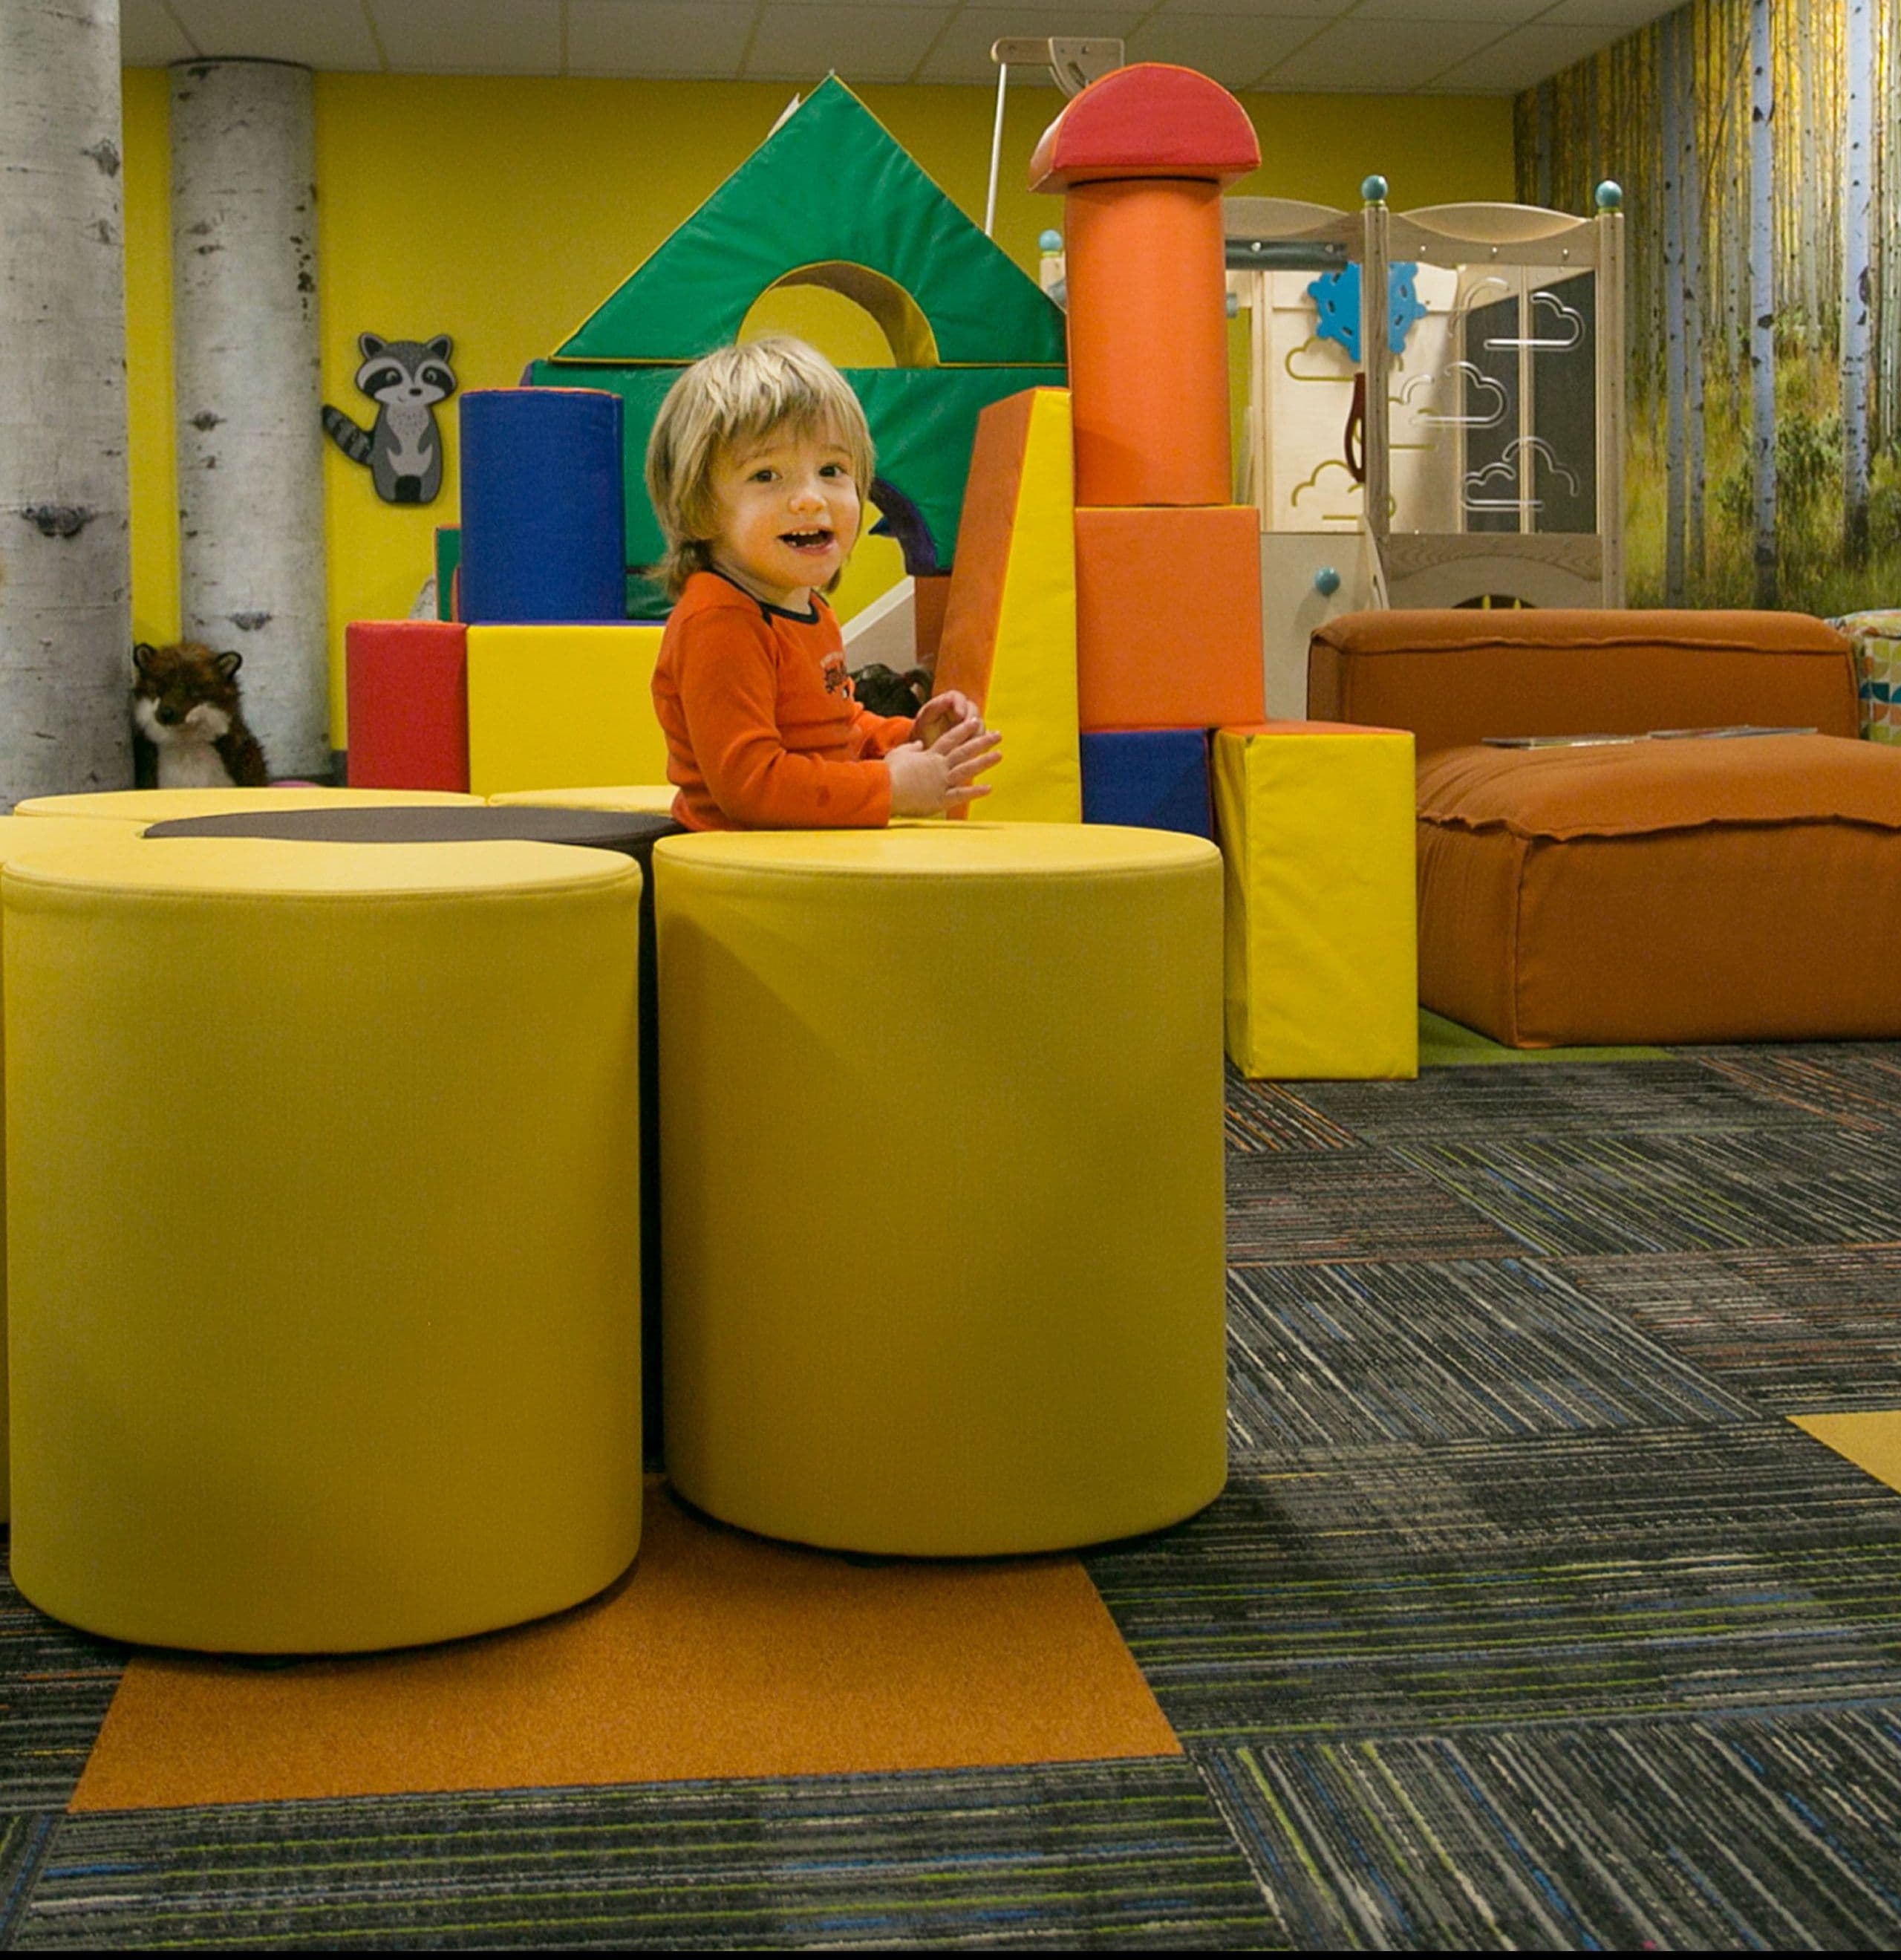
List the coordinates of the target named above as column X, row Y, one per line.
column 1168, row 617
column 562, row 706
column 1141, row 157
column 1321, row 964
column 884, row 233
column 448, row 570
column 1148, row 342
column 1154, row 779
column 543, row 505
column 1009, row 632
column 923, row 420
column 406, row 688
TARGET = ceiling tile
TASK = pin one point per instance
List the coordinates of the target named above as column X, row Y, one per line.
column 1314, row 12
column 666, row 38
column 1232, row 49
column 469, row 37
column 1378, row 57
column 1610, row 13
column 320, row 34
column 1502, row 12
column 963, row 54
column 1524, row 58
column 149, row 37
column 799, row 42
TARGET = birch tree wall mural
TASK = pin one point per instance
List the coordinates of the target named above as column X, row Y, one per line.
column 1759, row 146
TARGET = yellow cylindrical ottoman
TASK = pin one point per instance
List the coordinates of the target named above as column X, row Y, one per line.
column 162, row 806
column 19, row 834
column 941, row 1182
column 230, row 1432
column 648, row 799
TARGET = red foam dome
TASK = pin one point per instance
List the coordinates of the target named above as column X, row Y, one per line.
column 1151, row 120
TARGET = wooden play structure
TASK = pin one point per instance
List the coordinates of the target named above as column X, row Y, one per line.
column 1471, row 451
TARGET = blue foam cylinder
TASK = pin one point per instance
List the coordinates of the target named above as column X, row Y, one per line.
column 1154, row 779
column 543, row 513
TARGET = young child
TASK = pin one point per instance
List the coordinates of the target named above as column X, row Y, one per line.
column 756, row 467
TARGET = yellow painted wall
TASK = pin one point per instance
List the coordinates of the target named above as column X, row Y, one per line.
column 502, row 211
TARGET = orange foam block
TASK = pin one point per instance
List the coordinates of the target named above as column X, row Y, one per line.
column 1168, row 617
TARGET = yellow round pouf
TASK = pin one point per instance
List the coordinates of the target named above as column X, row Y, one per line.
column 642, row 799
column 144, row 806
column 941, row 1183
column 231, row 1430
column 16, row 835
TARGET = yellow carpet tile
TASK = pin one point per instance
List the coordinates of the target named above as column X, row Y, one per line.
column 1870, row 1440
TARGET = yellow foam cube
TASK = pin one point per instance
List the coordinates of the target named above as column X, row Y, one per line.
column 1321, row 966
column 1009, row 638
column 561, row 707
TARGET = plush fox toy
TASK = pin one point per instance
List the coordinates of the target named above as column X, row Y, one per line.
column 188, row 728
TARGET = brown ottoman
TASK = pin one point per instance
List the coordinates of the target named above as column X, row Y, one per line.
column 1747, row 889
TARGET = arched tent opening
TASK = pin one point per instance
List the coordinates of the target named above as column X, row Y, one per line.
column 857, row 294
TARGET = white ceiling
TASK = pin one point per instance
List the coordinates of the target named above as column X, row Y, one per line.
column 1482, row 47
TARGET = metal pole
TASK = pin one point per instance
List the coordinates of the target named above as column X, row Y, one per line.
column 997, row 149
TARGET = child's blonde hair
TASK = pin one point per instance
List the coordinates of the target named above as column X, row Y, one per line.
column 729, row 398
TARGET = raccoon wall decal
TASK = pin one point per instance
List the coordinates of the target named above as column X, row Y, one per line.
column 406, row 379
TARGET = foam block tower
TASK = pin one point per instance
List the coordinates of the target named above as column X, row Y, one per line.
column 1167, row 568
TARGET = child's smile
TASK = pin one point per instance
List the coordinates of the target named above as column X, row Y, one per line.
column 788, row 513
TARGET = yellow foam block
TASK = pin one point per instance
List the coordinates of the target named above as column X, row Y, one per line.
column 1321, row 968
column 561, row 707
column 1009, row 637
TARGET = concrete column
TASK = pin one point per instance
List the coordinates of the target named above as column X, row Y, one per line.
column 250, row 482
column 65, row 566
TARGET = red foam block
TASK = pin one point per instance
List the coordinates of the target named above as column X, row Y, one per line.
column 406, row 694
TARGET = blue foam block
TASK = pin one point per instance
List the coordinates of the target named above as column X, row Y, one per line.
column 1154, row 779
column 542, row 514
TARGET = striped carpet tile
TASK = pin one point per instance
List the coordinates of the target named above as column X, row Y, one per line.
column 1556, row 1098
column 1406, row 1588
column 1800, row 1330
column 56, row 1685
column 1704, row 1190
column 1263, row 1116
column 24, row 1838
column 1777, row 1834
column 1857, row 1084
column 1424, row 1351
column 1131, row 1854
column 1345, row 1205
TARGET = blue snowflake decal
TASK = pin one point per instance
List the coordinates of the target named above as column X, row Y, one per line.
column 1336, row 298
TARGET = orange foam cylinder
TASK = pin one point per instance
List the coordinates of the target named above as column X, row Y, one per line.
column 1146, row 265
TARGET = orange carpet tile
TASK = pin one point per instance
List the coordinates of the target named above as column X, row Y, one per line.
column 721, row 1655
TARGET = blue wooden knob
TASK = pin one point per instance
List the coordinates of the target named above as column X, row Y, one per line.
column 1327, row 581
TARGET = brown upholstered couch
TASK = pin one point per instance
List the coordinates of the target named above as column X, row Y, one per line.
column 1694, row 890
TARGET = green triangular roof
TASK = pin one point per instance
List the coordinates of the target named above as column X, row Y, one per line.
column 829, row 183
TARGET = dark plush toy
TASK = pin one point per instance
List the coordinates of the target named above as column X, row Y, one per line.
column 881, row 691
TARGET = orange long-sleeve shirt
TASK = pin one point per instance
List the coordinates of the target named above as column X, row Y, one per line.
column 762, row 730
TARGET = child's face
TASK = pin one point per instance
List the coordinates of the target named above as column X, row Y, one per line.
column 788, row 513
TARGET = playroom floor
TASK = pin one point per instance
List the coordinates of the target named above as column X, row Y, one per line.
column 1547, row 1606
